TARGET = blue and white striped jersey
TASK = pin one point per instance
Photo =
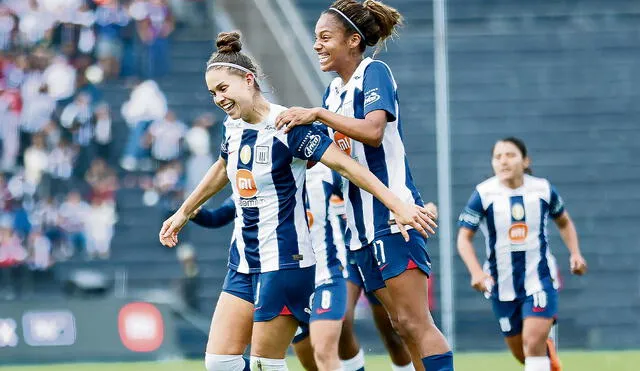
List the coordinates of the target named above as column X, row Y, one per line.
column 266, row 168
column 330, row 252
column 371, row 88
column 514, row 223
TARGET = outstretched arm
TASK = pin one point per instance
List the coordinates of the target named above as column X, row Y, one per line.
column 413, row 215
column 212, row 183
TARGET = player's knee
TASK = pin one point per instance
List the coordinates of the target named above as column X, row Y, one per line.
column 221, row 362
column 534, row 344
column 325, row 351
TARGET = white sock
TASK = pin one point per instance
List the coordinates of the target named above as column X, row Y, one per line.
column 408, row 367
column 220, row 362
column 537, row 364
column 355, row 363
column 268, row 364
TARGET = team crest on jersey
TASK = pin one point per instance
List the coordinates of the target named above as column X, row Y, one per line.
column 245, row 154
column 246, row 184
column 518, row 233
column 343, row 142
column 517, row 211
column 262, row 154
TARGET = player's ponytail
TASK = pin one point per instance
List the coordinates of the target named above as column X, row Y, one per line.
column 373, row 20
column 230, row 53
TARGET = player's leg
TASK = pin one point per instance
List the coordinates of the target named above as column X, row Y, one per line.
column 404, row 267
column 230, row 331
column 539, row 311
column 281, row 303
column 349, row 348
column 400, row 357
column 509, row 316
column 329, row 304
column 303, row 350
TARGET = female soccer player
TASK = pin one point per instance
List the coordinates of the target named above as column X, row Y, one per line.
column 360, row 108
column 520, row 274
column 271, row 263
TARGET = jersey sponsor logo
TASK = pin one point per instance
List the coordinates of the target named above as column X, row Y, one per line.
column 343, row 142
column 371, row 96
column 517, row 211
column 518, row 233
column 262, row 154
column 312, row 145
column 245, row 154
column 246, row 183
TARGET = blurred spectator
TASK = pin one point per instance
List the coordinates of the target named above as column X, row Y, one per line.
column 155, row 24
column 10, row 108
column 103, row 131
column 77, row 118
column 111, row 18
column 12, row 255
column 74, row 214
column 39, row 247
column 61, row 166
column 103, row 180
column 165, row 136
column 99, row 228
column 167, row 186
column 189, row 286
column 60, row 77
column 146, row 104
column 46, row 215
column 35, row 25
column 5, row 195
column 21, row 221
column 199, row 144
column 8, row 23
column 36, row 114
column 36, row 160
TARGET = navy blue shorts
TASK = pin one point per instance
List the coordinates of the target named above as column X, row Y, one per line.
column 283, row 292
column 239, row 285
column 301, row 334
column 395, row 256
column 329, row 301
column 353, row 275
column 366, row 267
column 510, row 314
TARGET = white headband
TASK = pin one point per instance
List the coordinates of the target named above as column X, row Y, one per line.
column 350, row 21
column 232, row 65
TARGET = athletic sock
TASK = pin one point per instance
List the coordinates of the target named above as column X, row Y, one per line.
column 439, row 362
column 216, row 362
column 268, row 364
column 354, row 364
column 408, row 367
column 537, row 364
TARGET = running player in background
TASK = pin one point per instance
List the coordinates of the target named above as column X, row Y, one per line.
column 271, row 263
column 520, row 274
column 360, row 108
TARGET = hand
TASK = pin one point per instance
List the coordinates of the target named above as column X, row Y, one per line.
column 578, row 264
column 432, row 209
column 171, row 227
column 481, row 281
column 295, row 116
column 417, row 217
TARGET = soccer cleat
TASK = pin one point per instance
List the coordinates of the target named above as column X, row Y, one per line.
column 556, row 365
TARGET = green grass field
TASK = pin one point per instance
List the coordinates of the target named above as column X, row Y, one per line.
column 572, row 361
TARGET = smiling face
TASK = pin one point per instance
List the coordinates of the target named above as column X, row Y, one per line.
column 508, row 163
column 333, row 44
column 231, row 91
